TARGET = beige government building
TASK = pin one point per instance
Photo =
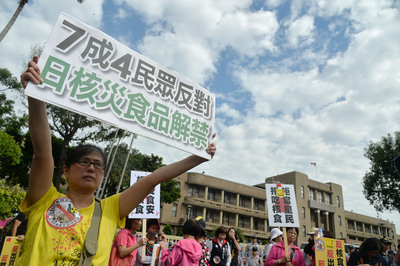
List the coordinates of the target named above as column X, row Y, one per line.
column 222, row 202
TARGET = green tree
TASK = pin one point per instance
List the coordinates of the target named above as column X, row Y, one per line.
column 167, row 229
column 382, row 183
column 10, row 198
column 170, row 192
column 239, row 232
column 10, row 151
column 137, row 161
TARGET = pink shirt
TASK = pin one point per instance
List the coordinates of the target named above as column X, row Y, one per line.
column 125, row 238
column 278, row 251
column 186, row 252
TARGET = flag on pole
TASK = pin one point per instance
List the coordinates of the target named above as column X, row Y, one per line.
column 315, row 164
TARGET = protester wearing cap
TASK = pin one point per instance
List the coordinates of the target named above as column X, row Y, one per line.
column 383, row 254
column 250, row 246
column 275, row 237
column 205, row 255
column 350, row 249
column 255, row 259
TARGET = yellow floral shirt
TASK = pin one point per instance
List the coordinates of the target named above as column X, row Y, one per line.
column 56, row 230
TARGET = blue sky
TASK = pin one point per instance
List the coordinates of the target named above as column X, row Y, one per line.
column 296, row 81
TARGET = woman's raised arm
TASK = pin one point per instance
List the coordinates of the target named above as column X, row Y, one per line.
column 41, row 173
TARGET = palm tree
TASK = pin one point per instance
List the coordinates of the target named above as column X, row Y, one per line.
column 15, row 16
column 13, row 19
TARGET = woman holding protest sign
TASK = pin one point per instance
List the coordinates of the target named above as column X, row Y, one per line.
column 294, row 256
column 59, row 230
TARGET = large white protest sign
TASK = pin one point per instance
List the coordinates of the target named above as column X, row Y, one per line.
column 88, row 72
column 150, row 207
column 282, row 206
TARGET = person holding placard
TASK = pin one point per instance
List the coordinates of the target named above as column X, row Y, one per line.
column 126, row 244
column 294, row 256
column 152, row 230
column 58, row 222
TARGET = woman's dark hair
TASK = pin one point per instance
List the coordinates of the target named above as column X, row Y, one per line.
column 77, row 153
column 129, row 221
column 220, row 230
column 236, row 236
column 370, row 244
column 151, row 222
column 295, row 228
column 191, row 227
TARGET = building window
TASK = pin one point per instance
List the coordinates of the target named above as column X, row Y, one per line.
column 228, row 198
column 190, row 191
column 304, row 231
column 341, row 235
column 359, row 227
column 338, row 201
column 226, row 218
column 210, row 216
column 311, row 194
column 367, row 228
column 211, row 195
column 319, row 196
column 302, row 191
column 256, row 205
column 340, row 220
column 327, row 198
column 174, row 209
column 303, row 212
column 178, row 184
column 242, row 202
column 350, row 224
column 255, row 227
column 375, row 230
column 241, row 221
column 196, row 192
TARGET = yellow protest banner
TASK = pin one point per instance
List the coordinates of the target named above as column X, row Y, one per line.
column 11, row 251
column 329, row 252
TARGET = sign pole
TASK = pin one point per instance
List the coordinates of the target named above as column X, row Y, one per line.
column 285, row 241
column 144, row 229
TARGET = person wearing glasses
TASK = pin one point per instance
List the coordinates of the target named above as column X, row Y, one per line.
column 58, row 222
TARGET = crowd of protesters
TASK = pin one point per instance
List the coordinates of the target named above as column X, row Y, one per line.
column 84, row 170
column 225, row 249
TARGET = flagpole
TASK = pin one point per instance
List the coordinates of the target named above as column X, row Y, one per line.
column 316, row 171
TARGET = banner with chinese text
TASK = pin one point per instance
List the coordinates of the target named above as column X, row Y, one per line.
column 88, row 72
column 282, row 207
column 329, row 252
column 11, row 251
column 150, row 207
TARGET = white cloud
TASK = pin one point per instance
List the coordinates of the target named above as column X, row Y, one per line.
column 300, row 31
